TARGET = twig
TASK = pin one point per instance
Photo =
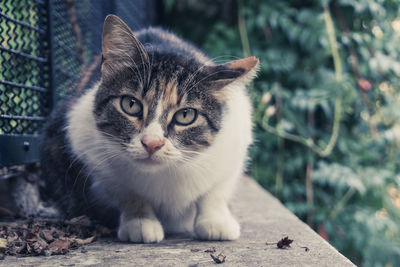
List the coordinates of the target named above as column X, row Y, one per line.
column 356, row 70
column 339, row 78
column 280, row 157
column 242, row 30
column 339, row 206
column 87, row 74
column 309, row 142
column 309, row 171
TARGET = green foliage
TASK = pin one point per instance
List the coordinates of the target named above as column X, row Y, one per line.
column 353, row 194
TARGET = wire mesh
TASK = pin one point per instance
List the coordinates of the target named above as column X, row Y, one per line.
column 46, row 45
column 77, row 33
column 23, row 67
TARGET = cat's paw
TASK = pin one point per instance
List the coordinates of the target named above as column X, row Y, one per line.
column 217, row 228
column 140, row 230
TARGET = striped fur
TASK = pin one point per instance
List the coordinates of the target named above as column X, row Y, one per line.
column 185, row 185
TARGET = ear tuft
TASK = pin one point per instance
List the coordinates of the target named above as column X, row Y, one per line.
column 247, row 64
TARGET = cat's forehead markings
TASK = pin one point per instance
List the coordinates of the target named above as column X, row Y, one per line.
column 153, row 126
column 170, row 96
column 150, row 93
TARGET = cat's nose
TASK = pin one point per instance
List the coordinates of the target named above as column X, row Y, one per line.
column 152, row 143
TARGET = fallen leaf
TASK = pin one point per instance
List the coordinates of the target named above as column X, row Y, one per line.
column 306, row 249
column 40, row 246
column 3, row 247
column 28, row 248
column 84, row 241
column 210, row 250
column 220, row 258
column 11, row 238
column 81, row 220
column 47, row 235
column 19, row 248
column 31, row 237
column 284, row 243
column 35, row 237
column 59, row 246
column 3, row 244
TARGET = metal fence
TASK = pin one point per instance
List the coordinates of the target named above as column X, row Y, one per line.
column 45, row 48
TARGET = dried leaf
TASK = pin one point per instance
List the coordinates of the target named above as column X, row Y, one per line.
column 306, row 249
column 28, row 248
column 60, row 246
column 210, row 250
column 84, row 241
column 81, row 220
column 19, row 248
column 220, row 258
column 284, row 243
column 3, row 247
column 47, row 235
column 3, row 244
column 31, row 237
column 11, row 238
column 39, row 246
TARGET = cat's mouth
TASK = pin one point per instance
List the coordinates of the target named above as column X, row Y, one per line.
column 149, row 161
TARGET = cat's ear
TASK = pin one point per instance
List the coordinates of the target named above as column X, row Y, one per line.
column 241, row 70
column 120, row 46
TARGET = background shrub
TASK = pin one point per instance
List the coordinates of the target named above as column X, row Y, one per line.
column 326, row 118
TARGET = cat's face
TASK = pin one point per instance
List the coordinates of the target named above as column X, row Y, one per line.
column 159, row 108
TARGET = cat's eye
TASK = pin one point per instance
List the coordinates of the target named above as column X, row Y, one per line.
column 185, row 116
column 131, row 106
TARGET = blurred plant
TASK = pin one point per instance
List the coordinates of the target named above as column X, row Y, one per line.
column 326, row 109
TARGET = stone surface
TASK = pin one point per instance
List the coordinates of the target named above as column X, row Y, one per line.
column 262, row 218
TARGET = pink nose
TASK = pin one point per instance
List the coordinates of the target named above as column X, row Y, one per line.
column 152, row 143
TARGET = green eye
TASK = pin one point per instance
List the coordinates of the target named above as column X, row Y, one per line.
column 131, row 106
column 185, row 116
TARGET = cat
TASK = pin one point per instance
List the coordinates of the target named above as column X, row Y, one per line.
column 158, row 144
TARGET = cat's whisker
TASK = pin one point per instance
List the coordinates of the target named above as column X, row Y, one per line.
column 109, row 157
column 136, row 68
column 75, row 158
column 150, row 63
column 82, row 168
column 123, row 53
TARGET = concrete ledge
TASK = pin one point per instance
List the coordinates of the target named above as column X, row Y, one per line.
column 263, row 219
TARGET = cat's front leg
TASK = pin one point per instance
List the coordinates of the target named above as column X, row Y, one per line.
column 139, row 224
column 214, row 220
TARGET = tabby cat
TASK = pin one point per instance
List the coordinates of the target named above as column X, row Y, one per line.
column 158, row 144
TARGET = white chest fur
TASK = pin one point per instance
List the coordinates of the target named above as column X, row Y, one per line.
column 171, row 190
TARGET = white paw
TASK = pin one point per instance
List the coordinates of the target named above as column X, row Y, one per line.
column 217, row 228
column 140, row 230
